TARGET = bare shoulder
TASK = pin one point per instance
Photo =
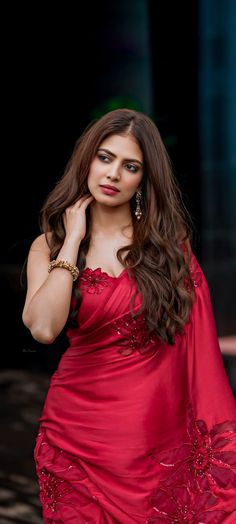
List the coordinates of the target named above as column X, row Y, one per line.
column 40, row 243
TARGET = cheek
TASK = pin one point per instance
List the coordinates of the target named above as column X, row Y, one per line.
column 94, row 174
column 130, row 184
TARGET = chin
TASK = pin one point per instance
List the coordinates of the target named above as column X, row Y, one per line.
column 107, row 202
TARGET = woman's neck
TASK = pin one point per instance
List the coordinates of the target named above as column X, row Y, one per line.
column 110, row 221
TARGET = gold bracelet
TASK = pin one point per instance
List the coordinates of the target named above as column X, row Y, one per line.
column 66, row 265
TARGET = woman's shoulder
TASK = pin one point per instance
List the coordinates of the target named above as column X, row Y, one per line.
column 41, row 242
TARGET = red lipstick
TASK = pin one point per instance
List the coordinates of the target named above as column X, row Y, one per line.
column 109, row 190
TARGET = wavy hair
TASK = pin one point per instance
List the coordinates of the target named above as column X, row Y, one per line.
column 156, row 256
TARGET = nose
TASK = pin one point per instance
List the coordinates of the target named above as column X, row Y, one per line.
column 113, row 172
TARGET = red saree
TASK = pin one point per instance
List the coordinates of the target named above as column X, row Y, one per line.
column 134, row 430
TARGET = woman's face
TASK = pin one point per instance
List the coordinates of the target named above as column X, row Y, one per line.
column 118, row 163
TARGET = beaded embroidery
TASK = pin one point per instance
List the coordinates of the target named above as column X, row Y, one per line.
column 135, row 333
column 52, row 489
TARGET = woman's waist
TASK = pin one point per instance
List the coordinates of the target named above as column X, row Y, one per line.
column 110, row 355
column 116, row 385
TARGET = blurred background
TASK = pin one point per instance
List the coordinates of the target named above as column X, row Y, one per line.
column 62, row 67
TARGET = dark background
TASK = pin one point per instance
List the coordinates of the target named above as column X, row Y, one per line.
column 62, row 67
column 66, row 66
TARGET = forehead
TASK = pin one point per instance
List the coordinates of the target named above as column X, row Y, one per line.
column 124, row 145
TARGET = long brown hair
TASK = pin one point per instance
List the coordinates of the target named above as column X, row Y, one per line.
column 156, row 255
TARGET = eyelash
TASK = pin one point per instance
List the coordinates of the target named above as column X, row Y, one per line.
column 103, row 158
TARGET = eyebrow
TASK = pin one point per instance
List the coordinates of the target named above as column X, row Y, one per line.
column 126, row 159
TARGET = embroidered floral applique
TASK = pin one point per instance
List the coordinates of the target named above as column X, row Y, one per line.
column 195, row 471
column 182, row 506
column 94, row 280
column 205, row 460
column 60, row 481
column 135, row 333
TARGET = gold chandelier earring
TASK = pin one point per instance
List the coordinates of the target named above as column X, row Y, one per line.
column 138, row 212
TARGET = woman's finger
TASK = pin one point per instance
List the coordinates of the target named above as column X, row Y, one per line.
column 87, row 201
column 81, row 200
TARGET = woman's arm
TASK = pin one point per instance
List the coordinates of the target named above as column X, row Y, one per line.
column 48, row 296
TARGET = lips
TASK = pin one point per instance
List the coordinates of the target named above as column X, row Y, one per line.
column 111, row 187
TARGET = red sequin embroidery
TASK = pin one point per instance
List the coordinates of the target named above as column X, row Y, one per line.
column 135, row 334
column 52, row 489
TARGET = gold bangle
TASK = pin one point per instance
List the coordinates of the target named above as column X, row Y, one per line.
column 65, row 265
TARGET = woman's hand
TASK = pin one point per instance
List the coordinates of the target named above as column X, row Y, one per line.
column 74, row 218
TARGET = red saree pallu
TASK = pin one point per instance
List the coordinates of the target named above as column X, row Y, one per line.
column 134, row 430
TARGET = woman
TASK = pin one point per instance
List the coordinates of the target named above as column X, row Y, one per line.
column 139, row 423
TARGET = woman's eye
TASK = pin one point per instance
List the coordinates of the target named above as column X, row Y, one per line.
column 131, row 167
column 103, row 158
